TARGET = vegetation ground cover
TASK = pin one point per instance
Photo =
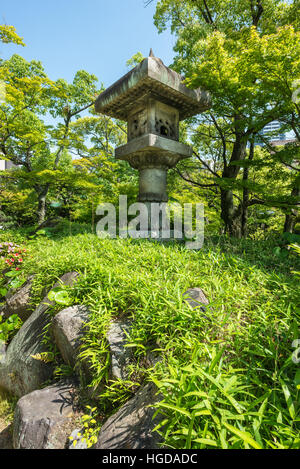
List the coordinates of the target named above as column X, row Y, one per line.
column 227, row 376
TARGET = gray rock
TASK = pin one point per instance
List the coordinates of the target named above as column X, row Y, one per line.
column 44, row 419
column 74, row 437
column 196, row 298
column 131, row 426
column 153, row 358
column 18, row 301
column 67, row 329
column 20, row 372
column 121, row 356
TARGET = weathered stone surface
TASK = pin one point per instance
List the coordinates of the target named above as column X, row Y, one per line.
column 153, row 149
column 17, row 301
column 79, row 443
column 131, row 427
column 67, row 329
column 196, row 298
column 20, row 372
column 151, row 76
column 44, row 419
column 120, row 355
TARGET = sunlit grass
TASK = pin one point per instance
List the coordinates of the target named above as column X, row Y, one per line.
column 7, row 405
column 226, row 375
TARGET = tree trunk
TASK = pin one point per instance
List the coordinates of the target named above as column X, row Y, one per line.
column 229, row 213
column 291, row 218
column 42, row 195
column 289, row 224
column 227, row 209
column 244, row 216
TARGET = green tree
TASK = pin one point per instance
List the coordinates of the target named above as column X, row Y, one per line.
column 135, row 60
column 222, row 46
column 26, row 138
column 96, row 137
column 8, row 35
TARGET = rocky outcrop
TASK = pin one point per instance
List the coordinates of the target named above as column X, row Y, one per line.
column 21, row 371
column 18, row 301
column 196, row 298
column 44, row 419
column 131, row 426
column 77, row 435
column 67, row 329
column 121, row 356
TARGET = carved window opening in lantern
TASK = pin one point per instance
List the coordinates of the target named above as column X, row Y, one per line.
column 137, row 124
column 156, row 118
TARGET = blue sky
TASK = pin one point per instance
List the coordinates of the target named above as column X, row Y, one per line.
column 94, row 35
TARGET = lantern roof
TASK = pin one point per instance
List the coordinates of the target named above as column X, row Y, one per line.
column 151, row 79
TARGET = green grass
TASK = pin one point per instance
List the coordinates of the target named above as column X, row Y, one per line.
column 227, row 375
column 7, row 406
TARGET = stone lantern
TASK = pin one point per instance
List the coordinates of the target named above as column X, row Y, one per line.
column 152, row 99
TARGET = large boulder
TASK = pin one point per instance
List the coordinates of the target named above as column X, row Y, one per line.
column 131, row 426
column 21, row 371
column 121, row 356
column 18, row 301
column 67, row 330
column 45, row 418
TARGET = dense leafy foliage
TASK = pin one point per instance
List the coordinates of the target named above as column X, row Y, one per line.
column 246, row 54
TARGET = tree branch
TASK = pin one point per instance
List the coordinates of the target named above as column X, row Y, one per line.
column 256, row 12
column 194, row 183
column 206, row 165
